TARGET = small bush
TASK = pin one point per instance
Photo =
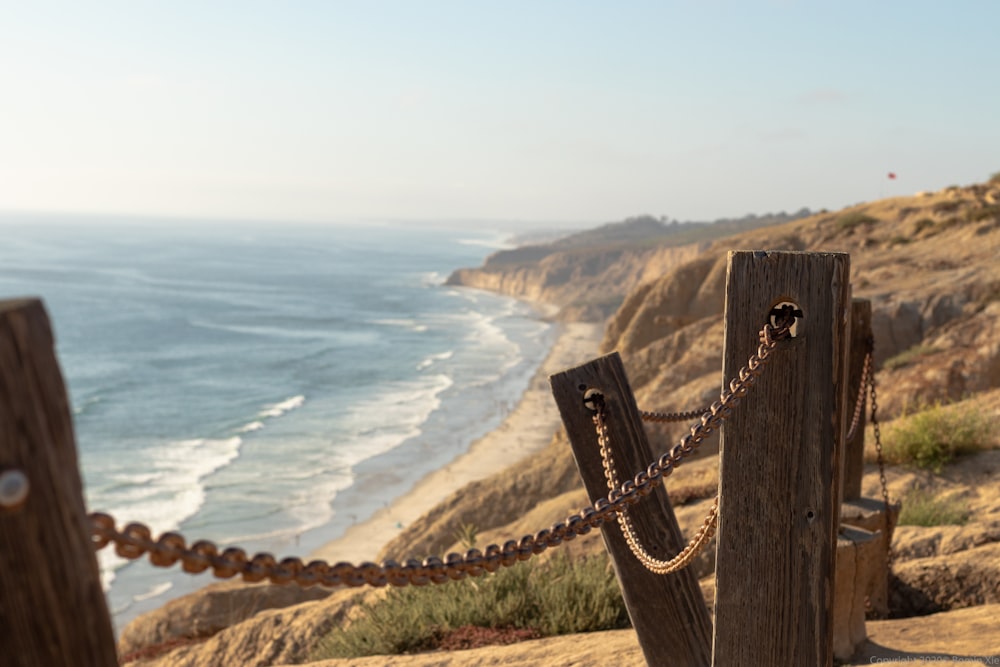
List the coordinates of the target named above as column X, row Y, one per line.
column 984, row 213
column 923, row 508
column 933, row 437
column 849, row 221
column 899, row 240
column 908, row 356
column 560, row 597
column 922, row 224
column 946, row 206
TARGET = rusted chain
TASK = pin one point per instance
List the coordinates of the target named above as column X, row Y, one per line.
column 710, row 420
column 653, row 564
column 881, row 464
column 668, row 417
column 135, row 539
column 859, row 403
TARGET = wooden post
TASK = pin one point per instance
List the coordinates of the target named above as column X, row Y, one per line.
column 779, row 476
column 854, row 450
column 52, row 608
column 668, row 611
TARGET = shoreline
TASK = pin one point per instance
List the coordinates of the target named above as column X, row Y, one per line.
column 526, row 429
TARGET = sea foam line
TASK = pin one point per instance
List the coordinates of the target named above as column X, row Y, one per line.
column 281, row 408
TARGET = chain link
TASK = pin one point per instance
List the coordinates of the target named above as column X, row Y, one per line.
column 668, row 417
column 135, row 539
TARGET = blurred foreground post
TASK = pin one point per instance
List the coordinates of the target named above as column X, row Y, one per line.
column 52, row 608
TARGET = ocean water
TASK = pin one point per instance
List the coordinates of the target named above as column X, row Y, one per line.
column 265, row 385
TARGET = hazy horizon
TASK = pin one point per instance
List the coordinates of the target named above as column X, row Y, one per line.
column 566, row 113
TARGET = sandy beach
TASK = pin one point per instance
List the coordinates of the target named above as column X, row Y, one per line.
column 526, row 429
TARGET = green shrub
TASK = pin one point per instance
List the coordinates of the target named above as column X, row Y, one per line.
column 908, row 356
column 984, row 213
column 560, row 597
column 899, row 240
column 923, row 508
column 849, row 221
column 933, row 437
column 922, row 224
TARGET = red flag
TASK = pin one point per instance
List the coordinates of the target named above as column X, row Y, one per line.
column 892, row 175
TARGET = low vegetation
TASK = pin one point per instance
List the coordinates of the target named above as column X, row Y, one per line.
column 935, row 436
column 984, row 213
column 923, row 224
column 525, row 601
column 923, row 508
column 849, row 221
column 908, row 356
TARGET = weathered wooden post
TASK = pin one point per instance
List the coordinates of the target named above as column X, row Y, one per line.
column 867, row 514
column 668, row 611
column 854, row 454
column 779, row 477
column 52, row 608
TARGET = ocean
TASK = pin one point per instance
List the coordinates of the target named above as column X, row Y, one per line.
column 265, row 385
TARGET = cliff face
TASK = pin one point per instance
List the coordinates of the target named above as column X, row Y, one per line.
column 928, row 264
column 588, row 274
column 587, row 284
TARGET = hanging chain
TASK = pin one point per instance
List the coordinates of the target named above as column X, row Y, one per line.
column 135, row 539
column 710, row 421
column 881, row 460
column 653, row 564
column 859, row 404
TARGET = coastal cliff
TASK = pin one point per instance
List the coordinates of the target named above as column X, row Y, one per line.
column 928, row 264
column 588, row 274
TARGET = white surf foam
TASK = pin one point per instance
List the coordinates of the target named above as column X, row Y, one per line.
column 251, row 427
column 434, row 358
column 164, row 498
column 153, row 592
column 284, row 406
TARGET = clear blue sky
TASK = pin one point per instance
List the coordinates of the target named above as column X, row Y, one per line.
column 571, row 110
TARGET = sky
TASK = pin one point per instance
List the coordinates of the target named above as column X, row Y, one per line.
column 561, row 111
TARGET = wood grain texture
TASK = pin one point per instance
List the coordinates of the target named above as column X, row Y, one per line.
column 668, row 612
column 854, row 449
column 52, row 608
column 779, row 476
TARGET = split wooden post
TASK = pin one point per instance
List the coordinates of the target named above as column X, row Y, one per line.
column 668, row 611
column 854, row 449
column 779, row 476
column 52, row 608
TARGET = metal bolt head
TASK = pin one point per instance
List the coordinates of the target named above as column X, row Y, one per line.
column 14, row 489
column 592, row 398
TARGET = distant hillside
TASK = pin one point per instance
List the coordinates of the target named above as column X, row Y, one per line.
column 588, row 273
column 639, row 231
